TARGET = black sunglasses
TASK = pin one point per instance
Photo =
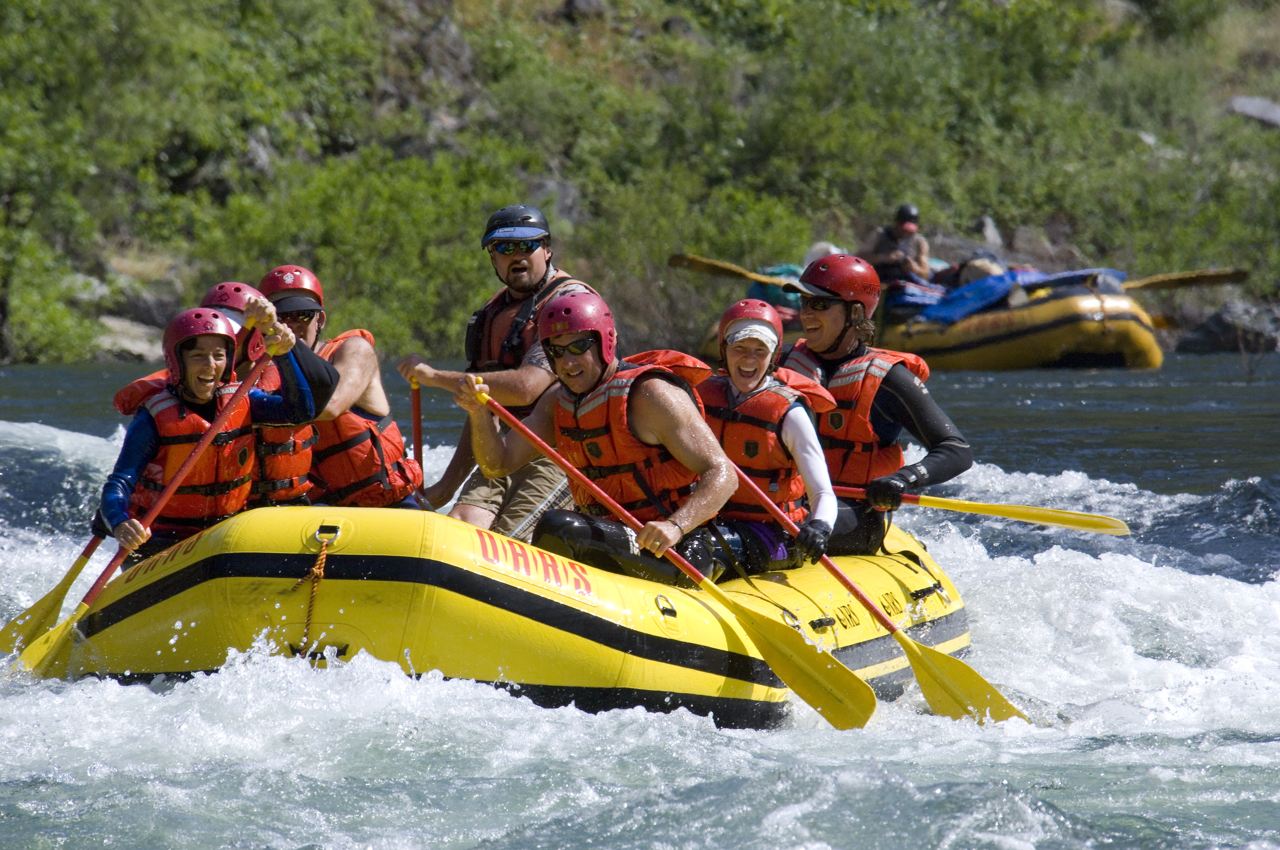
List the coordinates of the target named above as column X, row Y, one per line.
column 578, row 346
column 518, row 246
column 302, row 317
column 817, row 303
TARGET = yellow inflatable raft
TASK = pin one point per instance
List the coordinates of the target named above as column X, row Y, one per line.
column 1052, row 329
column 430, row 593
column 1076, row 329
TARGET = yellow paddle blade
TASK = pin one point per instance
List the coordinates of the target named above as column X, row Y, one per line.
column 1029, row 513
column 46, row 656
column 25, row 628
column 953, row 688
column 834, row 691
column 722, row 268
column 1178, row 280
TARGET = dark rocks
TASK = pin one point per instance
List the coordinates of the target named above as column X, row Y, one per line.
column 1238, row 326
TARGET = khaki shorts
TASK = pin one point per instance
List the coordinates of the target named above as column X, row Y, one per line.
column 520, row 499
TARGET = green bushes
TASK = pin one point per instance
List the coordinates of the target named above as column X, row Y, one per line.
column 238, row 135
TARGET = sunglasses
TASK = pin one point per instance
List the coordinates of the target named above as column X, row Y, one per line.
column 817, row 304
column 578, row 346
column 302, row 317
column 519, row 246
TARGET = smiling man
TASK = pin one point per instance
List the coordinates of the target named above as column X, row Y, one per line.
column 636, row 430
column 502, row 349
column 879, row 393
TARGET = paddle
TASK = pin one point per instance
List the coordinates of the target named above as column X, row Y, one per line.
column 37, row 619
column 415, row 401
column 951, row 687
column 41, row 652
column 722, row 268
column 1178, row 280
column 818, row 678
column 1023, row 513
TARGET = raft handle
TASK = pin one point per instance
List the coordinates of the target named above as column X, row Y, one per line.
column 665, row 606
column 327, row 533
column 822, row 623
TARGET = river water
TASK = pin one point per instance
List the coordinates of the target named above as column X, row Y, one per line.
column 1150, row 666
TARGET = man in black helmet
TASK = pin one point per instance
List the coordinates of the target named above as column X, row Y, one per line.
column 502, row 347
column 899, row 251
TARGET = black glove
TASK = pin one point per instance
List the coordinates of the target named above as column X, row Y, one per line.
column 885, row 494
column 812, row 540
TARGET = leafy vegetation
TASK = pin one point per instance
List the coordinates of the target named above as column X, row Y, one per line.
column 369, row 139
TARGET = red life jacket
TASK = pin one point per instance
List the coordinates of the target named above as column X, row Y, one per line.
column 359, row 461
column 218, row 485
column 283, row 455
column 500, row 333
column 594, row 434
column 283, row 452
column 751, row 434
column 853, row 450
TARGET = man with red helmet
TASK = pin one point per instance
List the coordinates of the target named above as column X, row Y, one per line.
column 763, row 418
column 878, row 393
column 359, row 456
column 171, row 415
column 502, row 349
column 636, row 430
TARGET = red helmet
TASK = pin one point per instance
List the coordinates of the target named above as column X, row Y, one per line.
column 753, row 309
column 197, row 321
column 291, row 280
column 231, row 295
column 573, row 312
column 844, row 276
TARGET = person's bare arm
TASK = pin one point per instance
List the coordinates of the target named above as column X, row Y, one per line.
column 663, row 414
column 511, row 387
column 919, row 263
column 357, row 364
column 500, row 454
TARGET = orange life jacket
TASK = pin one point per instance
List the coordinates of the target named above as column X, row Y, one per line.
column 359, row 461
column 218, row 485
column 283, row 452
column 594, row 434
column 751, row 434
column 854, row 452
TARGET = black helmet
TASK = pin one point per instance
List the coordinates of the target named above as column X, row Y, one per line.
column 907, row 212
column 518, row 221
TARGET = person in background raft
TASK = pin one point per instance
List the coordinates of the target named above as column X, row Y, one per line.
column 359, row 457
column 636, row 430
column 763, row 418
column 899, row 251
column 502, row 349
column 199, row 349
column 878, row 393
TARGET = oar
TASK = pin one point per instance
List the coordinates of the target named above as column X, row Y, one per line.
column 415, row 402
column 819, row 679
column 44, row 649
column 1178, row 280
column 722, row 268
column 40, row 617
column 951, row 687
column 1097, row 523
